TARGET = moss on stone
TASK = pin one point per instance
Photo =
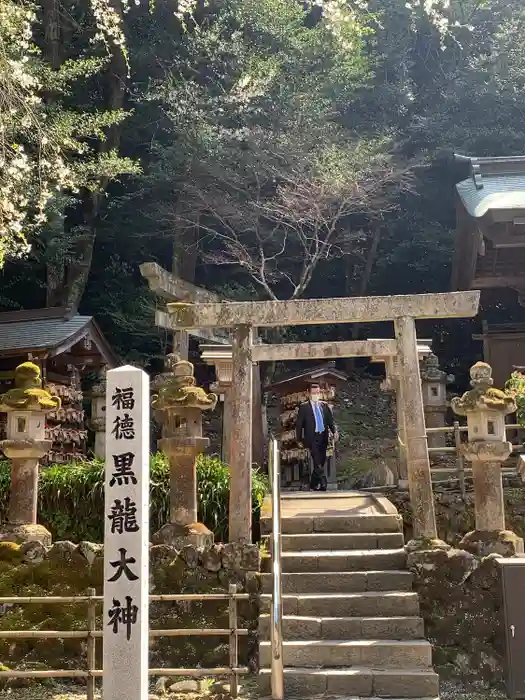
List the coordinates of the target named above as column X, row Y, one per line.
column 10, row 552
column 27, row 393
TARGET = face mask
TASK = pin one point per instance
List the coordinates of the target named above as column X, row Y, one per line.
column 315, row 398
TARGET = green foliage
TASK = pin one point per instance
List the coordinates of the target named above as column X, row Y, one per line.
column 263, row 135
column 48, row 141
column 71, row 497
column 515, row 387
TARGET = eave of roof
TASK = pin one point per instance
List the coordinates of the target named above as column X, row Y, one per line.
column 313, row 373
column 493, row 184
column 48, row 333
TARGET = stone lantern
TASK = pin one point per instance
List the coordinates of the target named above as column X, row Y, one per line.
column 487, row 448
column 97, row 422
column 179, row 404
column 434, row 384
column 26, row 406
column 221, row 357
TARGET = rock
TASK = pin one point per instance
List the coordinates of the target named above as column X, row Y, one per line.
column 65, row 551
column 161, row 554
column 241, row 557
column 211, row 558
column 190, row 555
column 90, row 551
column 160, row 685
column 188, row 686
column 10, row 551
column 25, row 533
column 455, row 565
column 252, row 582
column 220, row 687
column 480, row 542
column 178, row 536
column 33, row 552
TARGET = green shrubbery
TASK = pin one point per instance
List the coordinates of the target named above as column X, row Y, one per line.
column 71, row 497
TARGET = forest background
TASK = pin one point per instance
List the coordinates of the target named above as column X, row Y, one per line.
column 261, row 148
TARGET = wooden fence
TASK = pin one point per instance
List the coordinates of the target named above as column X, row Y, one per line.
column 457, row 431
column 91, row 634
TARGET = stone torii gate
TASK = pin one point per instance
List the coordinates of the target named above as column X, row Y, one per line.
column 171, row 288
column 243, row 317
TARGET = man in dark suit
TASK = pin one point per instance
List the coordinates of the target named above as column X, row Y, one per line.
column 315, row 421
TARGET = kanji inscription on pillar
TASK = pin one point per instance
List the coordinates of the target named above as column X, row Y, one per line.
column 126, row 535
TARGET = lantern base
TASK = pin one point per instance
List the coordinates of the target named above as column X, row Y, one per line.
column 25, row 533
column 179, row 536
column 483, row 542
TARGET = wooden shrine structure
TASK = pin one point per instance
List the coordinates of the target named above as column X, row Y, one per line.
column 292, row 390
column 490, row 253
column 66, row 346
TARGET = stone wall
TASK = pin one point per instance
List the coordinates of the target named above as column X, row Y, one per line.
column 460, row 599
column 455, row 515
column 67, row 569
column 460, row 594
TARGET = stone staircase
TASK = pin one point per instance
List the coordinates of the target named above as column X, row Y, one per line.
column 351, row 622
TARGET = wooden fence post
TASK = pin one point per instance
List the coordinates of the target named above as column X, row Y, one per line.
column 234, row 640
column 91, row 644
column 460, row 461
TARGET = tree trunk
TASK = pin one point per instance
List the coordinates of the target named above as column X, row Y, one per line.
column 78, row 272
column 363, row 285
column 184, row 264
column 52, row 51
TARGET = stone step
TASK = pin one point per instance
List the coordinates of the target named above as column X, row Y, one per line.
column 342, row 541
column 335, row 523
column 370, row 604
column 334, row 561
column 345, row 627
column 343, row 582
column 385, row 653
column 355, row 682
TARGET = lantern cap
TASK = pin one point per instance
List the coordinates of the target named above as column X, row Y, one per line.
column 28, row 394
column 483, row 396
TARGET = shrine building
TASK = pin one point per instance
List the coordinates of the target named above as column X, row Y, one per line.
column 490, row 256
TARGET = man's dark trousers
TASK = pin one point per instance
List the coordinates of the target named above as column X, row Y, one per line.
column 318, row 481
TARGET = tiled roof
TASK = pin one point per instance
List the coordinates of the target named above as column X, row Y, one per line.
column 40, row 334
column 497, row 192
column 494, row 183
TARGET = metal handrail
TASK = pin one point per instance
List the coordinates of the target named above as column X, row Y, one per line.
column 276, row 614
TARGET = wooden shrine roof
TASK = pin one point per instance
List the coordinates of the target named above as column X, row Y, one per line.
column 308, row 375
column 490, row 237
column 50, row 332
column 493, row 184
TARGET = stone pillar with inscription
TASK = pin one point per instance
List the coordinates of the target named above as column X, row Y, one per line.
column 179, row 404
column 487, row 448
column 97, row 422
column 434, row 383
column 26, row 405
column 126, row 536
